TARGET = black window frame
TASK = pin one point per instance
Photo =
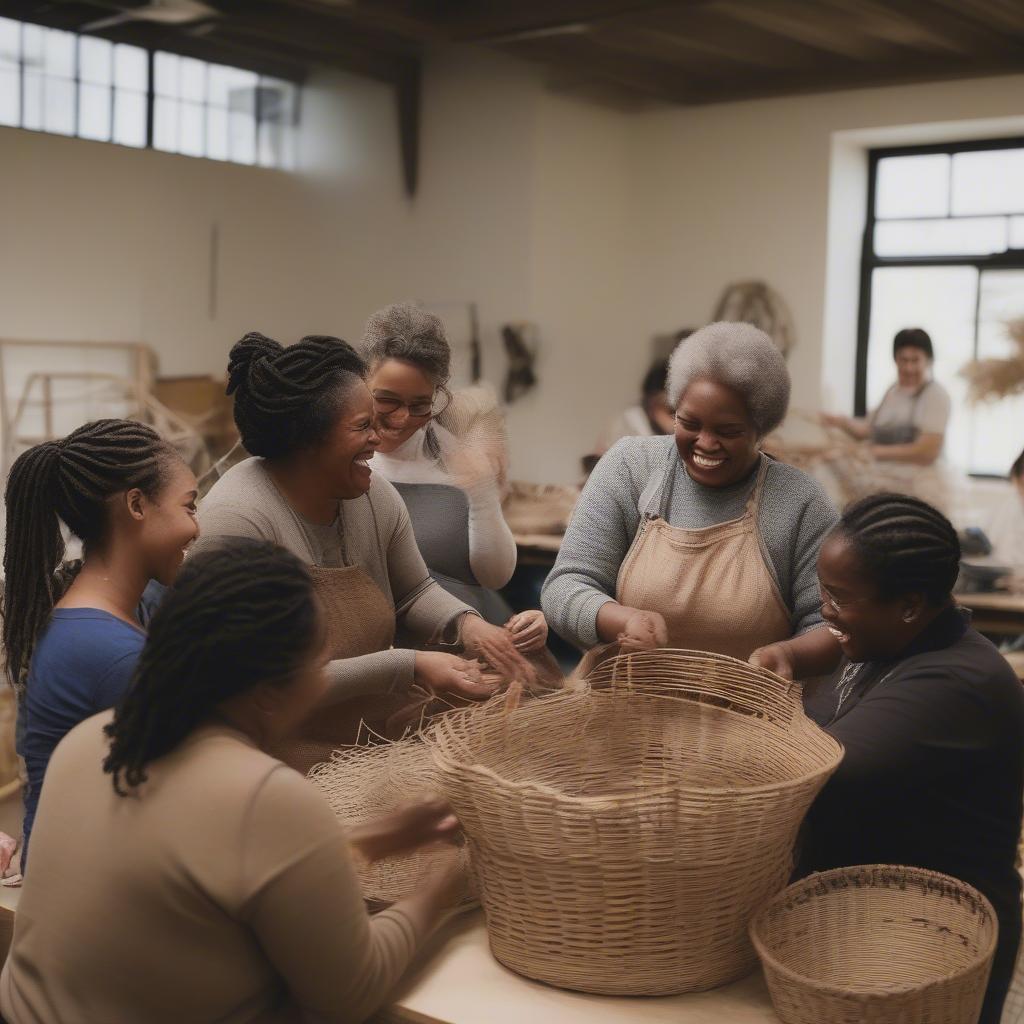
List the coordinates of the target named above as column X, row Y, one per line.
column 1012, row 259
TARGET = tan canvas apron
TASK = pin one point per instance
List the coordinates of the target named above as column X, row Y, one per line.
column 712, row 585
column 360, row 620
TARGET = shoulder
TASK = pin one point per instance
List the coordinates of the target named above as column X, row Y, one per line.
column 241, row 501
column 640, row 457
column 382, row 497
column 87, row 640
column 935, row 394
column 85, row 744
column 794, row 488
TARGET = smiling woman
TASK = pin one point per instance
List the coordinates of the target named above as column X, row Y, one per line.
column 701, row 541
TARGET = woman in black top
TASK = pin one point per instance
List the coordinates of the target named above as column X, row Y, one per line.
column 930, row 714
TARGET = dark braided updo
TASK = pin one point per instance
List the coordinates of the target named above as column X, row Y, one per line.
column 288, row 399
column 906, row 545
column 238, row 615
column 71, row 480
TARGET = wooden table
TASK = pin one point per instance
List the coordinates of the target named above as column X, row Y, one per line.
column 458, row 981
column 996, row 612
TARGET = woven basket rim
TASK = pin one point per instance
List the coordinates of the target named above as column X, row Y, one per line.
column 611, row 800
column 852, row 995
column 788, row 685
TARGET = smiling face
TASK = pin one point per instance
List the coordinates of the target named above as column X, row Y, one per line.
column 867, row 625
column 716, row 438
column 912, row 367
column 395, row 380
column 341, row 458
column 166, row 523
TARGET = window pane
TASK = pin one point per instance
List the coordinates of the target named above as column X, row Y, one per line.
column 1017, row 232
column 33, row 43
column 913, row 186
column 976, row 236
column 32, row 100
column 131, row 68
column 942, row 301
column 95, row 60
column 191, row 129
column 10, row 97
column 165, row 74
column 192, row 80
column 989, row 181
column 224, row 80
column 216, row 133
column 59, row 105
column 241, row 137
column 165, row 124
column 94, row 113
column 59, row 53
column 996, row 428
column 130, row 118
column 10, row 42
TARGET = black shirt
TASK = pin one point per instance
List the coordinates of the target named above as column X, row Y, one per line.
column 934, row 767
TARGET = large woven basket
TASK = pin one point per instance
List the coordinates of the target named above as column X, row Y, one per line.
column 623, row 835
column 877, row 945
column 367, row 782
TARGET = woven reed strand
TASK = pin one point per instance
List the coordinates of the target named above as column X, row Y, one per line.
column 877, row 944
column 623, row 835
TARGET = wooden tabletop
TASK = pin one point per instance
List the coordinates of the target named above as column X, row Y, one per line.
column 995, row 612
column 457, row 981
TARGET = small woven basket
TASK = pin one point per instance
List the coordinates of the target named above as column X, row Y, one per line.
column 877, row 945
column 363, row 783
column 623, row 835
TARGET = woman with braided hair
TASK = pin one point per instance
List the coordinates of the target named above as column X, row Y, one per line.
column 305, row 415
column 180, row 873
column 930, row 714
column 130, row 499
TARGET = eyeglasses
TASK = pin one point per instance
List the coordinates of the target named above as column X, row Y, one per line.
column 388, row 405
column 837, row 606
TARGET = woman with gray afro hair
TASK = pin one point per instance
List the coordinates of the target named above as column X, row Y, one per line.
column 700, row 540
column 445, row 454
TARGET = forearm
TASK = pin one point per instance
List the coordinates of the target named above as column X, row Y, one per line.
column 611, row 620
column 922, row 452
column 492, row 548
column 388, row 671
column 814, row 653
column 571, row 605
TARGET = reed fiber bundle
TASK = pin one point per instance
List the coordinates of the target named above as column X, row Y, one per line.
column 367, row 782
column 622, row 835
column 877, row 944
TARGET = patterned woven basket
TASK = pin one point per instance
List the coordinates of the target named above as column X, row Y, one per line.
column 623, row 835
column 877, row 945
column 363, row 783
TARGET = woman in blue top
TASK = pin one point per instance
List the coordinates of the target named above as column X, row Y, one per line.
column 131, row 500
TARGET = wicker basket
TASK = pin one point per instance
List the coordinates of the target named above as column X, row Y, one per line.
column 623, row 835
column 363, row 783
column 877, row 945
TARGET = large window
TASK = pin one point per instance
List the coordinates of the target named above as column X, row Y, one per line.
column 944, row 250
column 59, row 82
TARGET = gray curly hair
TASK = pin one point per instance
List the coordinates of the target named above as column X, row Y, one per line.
column 404, row 331
column 740, row 356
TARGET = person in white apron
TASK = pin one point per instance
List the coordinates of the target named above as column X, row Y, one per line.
column 306, row 416
column 700, row 541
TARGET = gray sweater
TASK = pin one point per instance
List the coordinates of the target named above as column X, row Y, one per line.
column 372, row 531
column 794, row 517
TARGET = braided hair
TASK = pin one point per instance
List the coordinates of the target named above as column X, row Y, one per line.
column 240, row 614
column 288, row 399
column 69, row 480
column 905, row 544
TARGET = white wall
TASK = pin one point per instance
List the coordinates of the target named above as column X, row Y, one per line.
column 601, row 227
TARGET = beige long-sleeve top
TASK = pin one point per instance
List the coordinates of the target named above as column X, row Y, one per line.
column 372, row 531
column 224, row 891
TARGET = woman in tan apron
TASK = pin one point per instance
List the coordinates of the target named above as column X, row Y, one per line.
column 700, row 541
column 306, row 416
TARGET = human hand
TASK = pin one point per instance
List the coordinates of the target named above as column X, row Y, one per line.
column 775, row 658
column 831, row 419
column 447, row 673
column 644, row 631
column 529, row 631
column 496, row 647
column 405, row 829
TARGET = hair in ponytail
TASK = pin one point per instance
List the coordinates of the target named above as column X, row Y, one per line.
column 68, row 481
column 240, row 614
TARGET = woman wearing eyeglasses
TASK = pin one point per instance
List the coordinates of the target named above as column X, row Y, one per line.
column 305, row 415
column 445, row 455
column 929, row 713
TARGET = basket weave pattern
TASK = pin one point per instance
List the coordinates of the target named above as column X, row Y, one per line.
column 623, row 835
column 877, row 945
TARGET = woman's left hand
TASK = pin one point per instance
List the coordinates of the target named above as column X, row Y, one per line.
column 776, row 658
column 405, row 829
column 495, row 646
column 529, row 631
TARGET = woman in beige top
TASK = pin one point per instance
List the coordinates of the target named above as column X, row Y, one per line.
column 179, row 873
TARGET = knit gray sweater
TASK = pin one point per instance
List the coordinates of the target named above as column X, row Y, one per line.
column 794, row 516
